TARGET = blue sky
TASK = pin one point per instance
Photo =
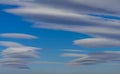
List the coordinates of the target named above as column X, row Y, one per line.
column 62, row 37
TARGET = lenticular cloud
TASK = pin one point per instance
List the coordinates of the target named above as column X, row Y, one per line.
column 94, row 58
column 18, row 56
column 75, row 16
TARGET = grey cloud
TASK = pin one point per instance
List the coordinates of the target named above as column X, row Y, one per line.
column 73, row 5
column 105, row 36
column 76, row 5
column 17, row 55
column 10, row 44
column 48, row 62
column 17, row 35
column 21, row 52
column 74, row 16
column 15, row 63
column 97, row 58
column 73, row 50
column 73, row 55
column 97, row 42
column 101, row 4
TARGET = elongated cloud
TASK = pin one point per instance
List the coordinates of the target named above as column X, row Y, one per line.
column 48, row 62
column 10, row 44
column 84, row 6
column 94, row 58
column 17, row 55
column 73, row 55
column 107, row 35
column 97, row 42
column 15, row 63
column 17, row 35
column 74, row 16
column 21, row 52
column 73, row 50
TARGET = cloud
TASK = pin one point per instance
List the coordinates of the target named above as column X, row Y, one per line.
column 112, row 52
column 73, row 16
column 97, row 42
column 73, row 55
column 105, row 36
column 21, row 52
column 95, row 58
column 48, row 62
column 10, row 44
column 15, row 63
column 17, row 55
column 73, row 50
column 108, row 5
column 76, row 5
column 17, row 35
column 42, row 10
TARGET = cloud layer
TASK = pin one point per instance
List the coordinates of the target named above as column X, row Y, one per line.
column 94, row 58
column 66, row 15
column 17, row 55
column 74, row 16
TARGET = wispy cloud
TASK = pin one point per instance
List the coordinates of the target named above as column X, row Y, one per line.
column 97, row 42
column 73, row 50
column 17, row 55
column 21, row 52
column 10, row 44
column 94, row 58
column 66, row 15
column 18, row 35
column 103, row 34
column 73, row 16
column 14, row 63
column 48, row 62
column 73, row 55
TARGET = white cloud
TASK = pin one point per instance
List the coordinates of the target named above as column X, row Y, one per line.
column 109, row 5
column 10, row 44
column 97, row 42
column 21, row 52
column 15, row 63
column 117, row 52
column 81, row 6
column 47, row 62
column 42, row 10
column 96, row 58
column 73, row 55
column 73, row 50
column 18, row 35
column 17, row 55
column 103, row 36
column 74, row 16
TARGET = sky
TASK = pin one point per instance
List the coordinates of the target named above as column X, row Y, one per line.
column 59, row 36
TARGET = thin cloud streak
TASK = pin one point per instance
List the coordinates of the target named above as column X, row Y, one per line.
column 18, row 35
column 94, row 58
